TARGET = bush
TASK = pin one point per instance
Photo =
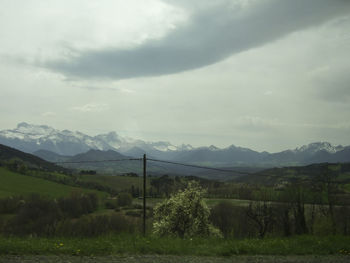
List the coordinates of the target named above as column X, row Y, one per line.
column 89, row 226
column 185, row 215
column 223, row 216
column 78, row 204
column 111, row 204
column 37, row 216
column 124, row 199
column 11, row 205
column 134, row 213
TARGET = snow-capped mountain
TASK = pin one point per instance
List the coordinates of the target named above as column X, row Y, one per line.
column 319, row 146
column 31, row 138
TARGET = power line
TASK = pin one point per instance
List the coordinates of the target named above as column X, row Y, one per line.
column 200, row 167
column 236, row 172
column 100, row 161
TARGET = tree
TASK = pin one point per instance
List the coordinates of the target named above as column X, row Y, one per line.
column 223, row 215
column 261, row 213
column 330, row 185
column 184, row 214
column 296, row 195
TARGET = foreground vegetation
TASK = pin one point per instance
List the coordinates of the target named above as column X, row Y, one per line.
column 87, row 214
column 127, row 244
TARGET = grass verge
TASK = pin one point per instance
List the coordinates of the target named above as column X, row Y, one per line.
column 137, row 245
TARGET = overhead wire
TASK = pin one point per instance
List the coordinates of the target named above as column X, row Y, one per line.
column 235, row 172
column 200, row 167
column 100, row 161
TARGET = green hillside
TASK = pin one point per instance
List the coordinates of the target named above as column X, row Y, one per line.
column 112, row 184
column 8, row 155
column 339, row 172
column 12, row 184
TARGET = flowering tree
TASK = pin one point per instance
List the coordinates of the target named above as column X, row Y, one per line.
column 184, row 214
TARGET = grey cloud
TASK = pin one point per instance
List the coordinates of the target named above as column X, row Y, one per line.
column 213, row 33
column 335, row 88
column 332, row 83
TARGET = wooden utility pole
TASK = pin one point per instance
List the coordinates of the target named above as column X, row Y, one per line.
column 144, row 194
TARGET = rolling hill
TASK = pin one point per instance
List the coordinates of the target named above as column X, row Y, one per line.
column 7, row 154
column 337, row 172
column 14, row 184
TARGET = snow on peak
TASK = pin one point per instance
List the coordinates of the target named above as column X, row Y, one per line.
column 319, row 146
column 185, row 147
column 29, row 129
column 163, row 146
column 213, row 148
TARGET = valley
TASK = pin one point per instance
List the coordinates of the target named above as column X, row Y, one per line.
column 98, row 193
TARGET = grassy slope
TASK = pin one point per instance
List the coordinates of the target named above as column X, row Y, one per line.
column 339, row 171
column 16, row 184
column 118, row 183
column 8, row 153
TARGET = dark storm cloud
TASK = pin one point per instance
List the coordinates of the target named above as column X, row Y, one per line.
column 214, row 32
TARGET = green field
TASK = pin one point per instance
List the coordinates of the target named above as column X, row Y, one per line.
column 117, row 183
column 12, row 184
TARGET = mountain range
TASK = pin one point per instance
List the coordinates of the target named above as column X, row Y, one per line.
column 53, row 145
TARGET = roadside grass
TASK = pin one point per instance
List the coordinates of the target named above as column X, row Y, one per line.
column 12, row 184
column 127, row 244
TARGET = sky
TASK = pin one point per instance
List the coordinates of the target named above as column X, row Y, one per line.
column 269, row 75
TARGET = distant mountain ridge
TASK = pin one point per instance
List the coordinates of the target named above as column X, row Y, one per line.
column 31, row 138
column 40, row 139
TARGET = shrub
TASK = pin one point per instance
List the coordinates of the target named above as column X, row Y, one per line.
column 37, row 216
column 124, row 199
column 185, row 215
column 11, row 205
column 111, row 204
column 134, row 213
column 78, row 204
column 89, row 226
column 223, row 216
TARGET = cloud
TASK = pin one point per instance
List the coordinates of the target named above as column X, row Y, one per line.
column 212, row 33
column 259, row 124
column 48, row 114
column 331, row 83
column 91, row 107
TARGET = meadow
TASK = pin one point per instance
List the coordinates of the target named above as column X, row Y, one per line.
column 13, row 184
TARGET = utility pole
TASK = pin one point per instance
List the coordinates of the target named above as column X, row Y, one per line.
column 144, row 194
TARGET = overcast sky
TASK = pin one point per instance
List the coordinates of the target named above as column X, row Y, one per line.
column 263, row 74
